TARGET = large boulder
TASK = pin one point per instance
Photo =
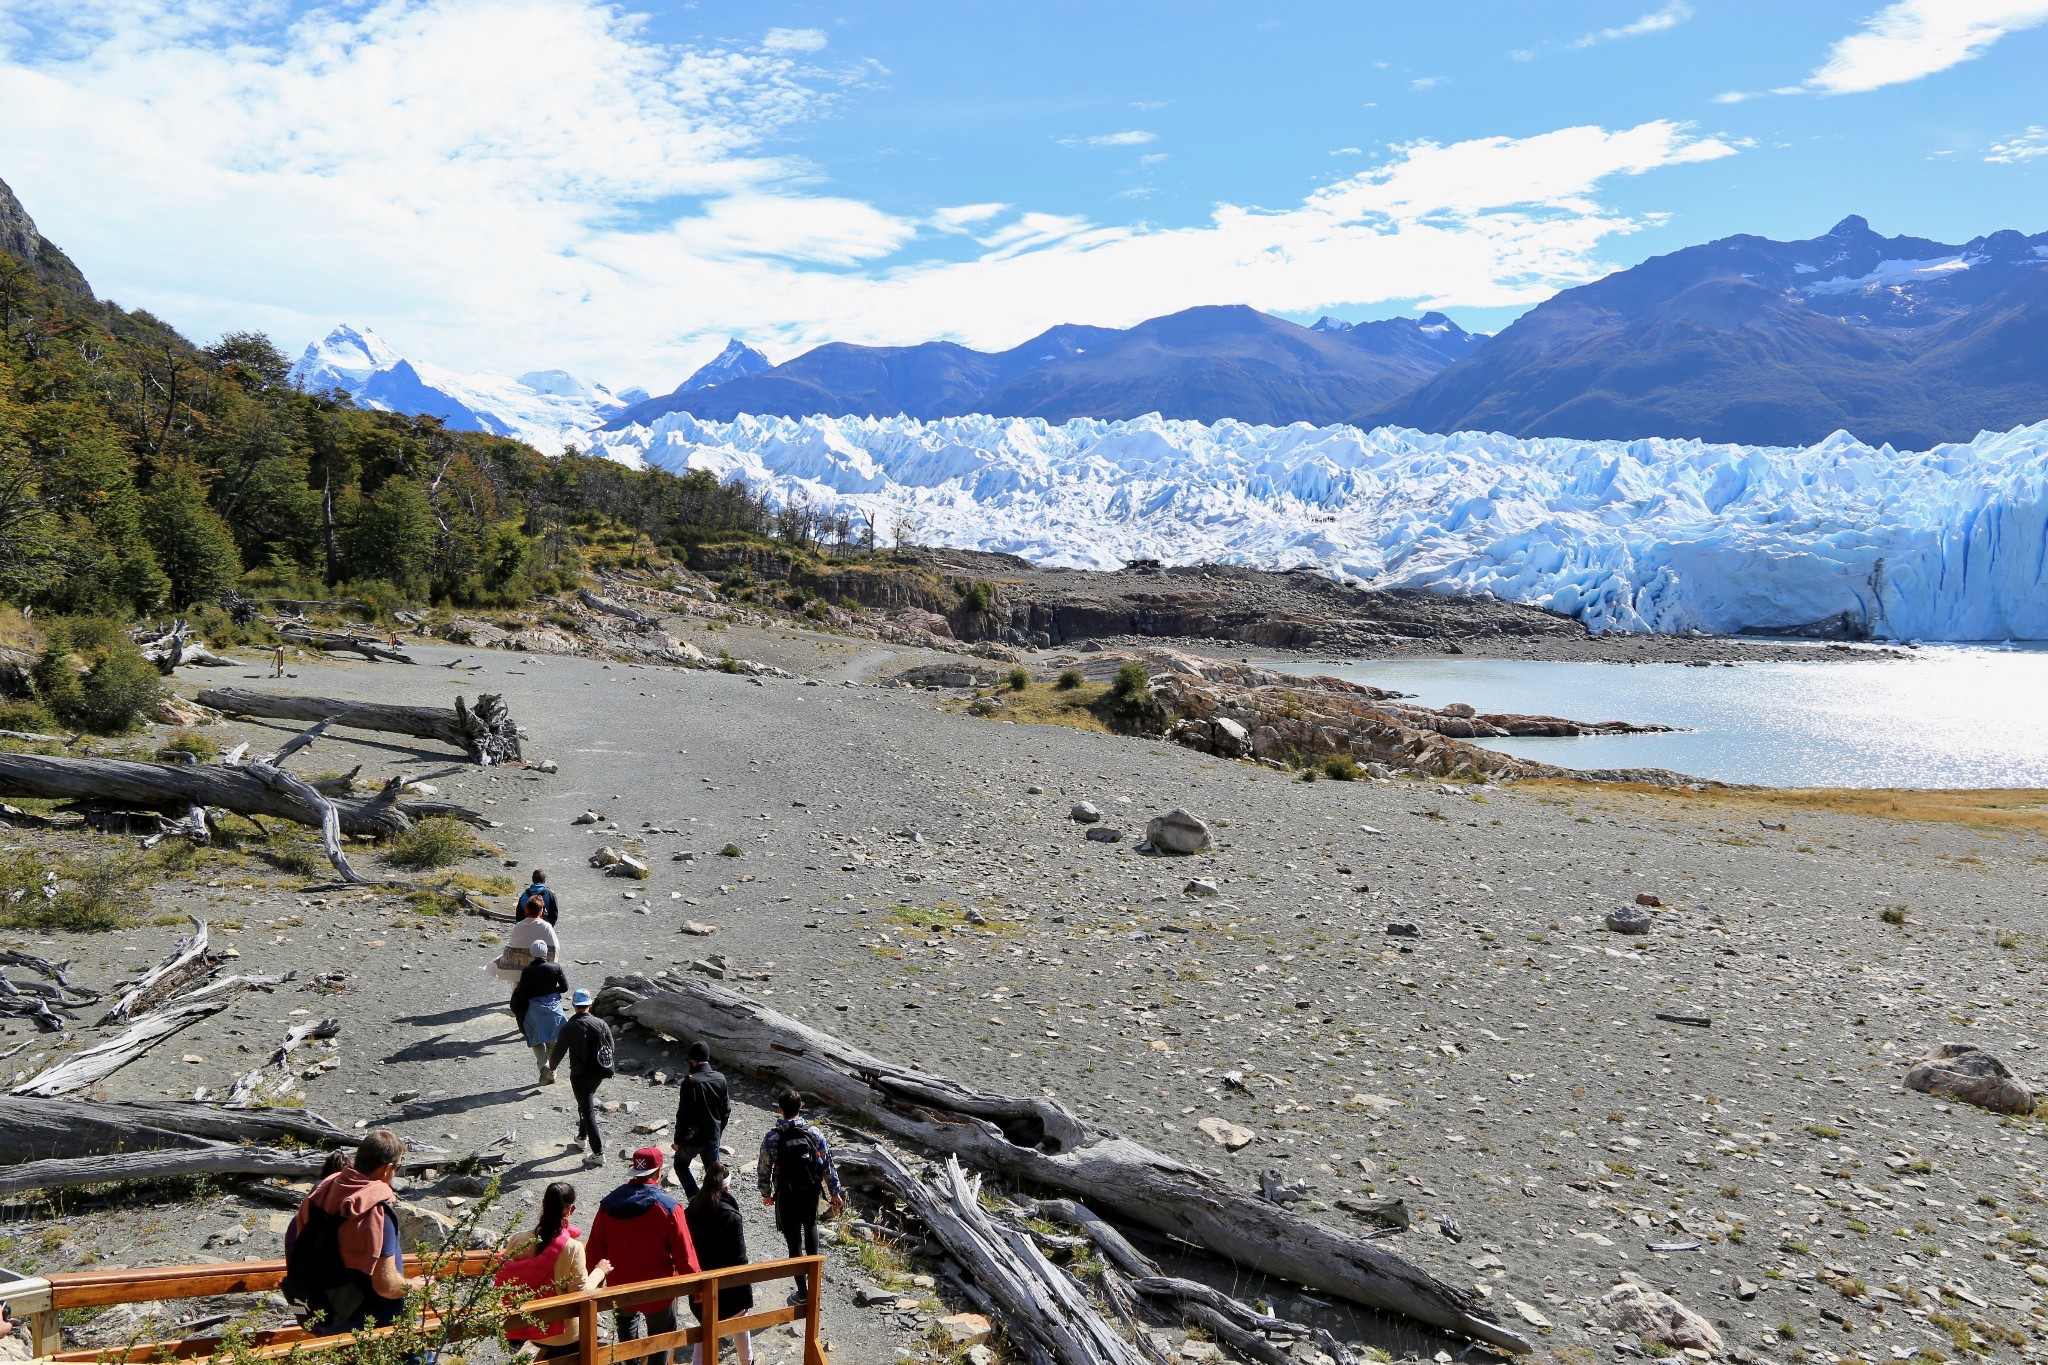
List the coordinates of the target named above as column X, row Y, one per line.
column 1084, row 813
column 1229, row 738
column 1651, row 1316
column 1959, row 1071
column 1178, row 832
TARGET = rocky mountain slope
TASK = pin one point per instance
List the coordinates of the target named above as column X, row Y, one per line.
column 1897, row 340
column 1209, row 364
column 20, row 237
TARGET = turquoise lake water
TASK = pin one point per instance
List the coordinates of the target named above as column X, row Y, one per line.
column 1946, row 717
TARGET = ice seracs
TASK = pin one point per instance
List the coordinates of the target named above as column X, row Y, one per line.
column 1946, row 544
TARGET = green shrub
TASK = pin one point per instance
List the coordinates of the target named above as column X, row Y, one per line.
column 1132, row 681
column 93, row 677
column 978, row 598
column 99, row 892
column 1342, row 768
column 437, row 841
column 1893, row 914
column 1019, row 679
column 31, row 717
column 192, row 742
column 1070, row 678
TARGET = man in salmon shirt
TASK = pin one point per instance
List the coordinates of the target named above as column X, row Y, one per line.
column 642, row 1232
column 344, row 1267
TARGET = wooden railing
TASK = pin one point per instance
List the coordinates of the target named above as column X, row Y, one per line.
column 36, row 1303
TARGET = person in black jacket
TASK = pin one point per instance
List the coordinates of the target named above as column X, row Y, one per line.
column 537, row 1007
column 702, row 1111
column 719, row 1233
column 586, row 1041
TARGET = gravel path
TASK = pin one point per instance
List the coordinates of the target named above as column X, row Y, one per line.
column 1503, row 1071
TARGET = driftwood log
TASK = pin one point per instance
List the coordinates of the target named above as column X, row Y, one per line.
column 82, row 1069
column 1039, row 1143
column 49, row 1129
column 213, row 1159
column 274, row 1077
column 248, row 789
column 367, row 646
column 187, row 962
column 640, row 619
column 1046, row 1310
column 485, row 731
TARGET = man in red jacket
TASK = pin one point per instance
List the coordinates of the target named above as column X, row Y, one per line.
column 642, row 1232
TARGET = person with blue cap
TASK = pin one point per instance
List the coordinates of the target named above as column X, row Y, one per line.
column 586, row 1041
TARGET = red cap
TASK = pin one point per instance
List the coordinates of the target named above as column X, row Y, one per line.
column 646, row 1163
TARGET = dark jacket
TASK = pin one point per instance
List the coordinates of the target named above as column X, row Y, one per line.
column 772, row 1182
column 720, row 1235
column 703, row 1108
column 643, row 1233
column 538, row 979
column 547, row 894
column 586, row 1041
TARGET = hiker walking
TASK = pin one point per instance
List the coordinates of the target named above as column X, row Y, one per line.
column 646, row 1236
column 343, row 1266
column 533, row 928
column 539, row 889
column 720, row 1235
column 277, row 662
column 537, row 1007
column 796, row 1170
column 586, row 1041
column 548, row 1261
column 703, row 1108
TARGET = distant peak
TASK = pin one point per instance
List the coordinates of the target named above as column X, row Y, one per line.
column 1434, row 319
column 1855, row 225
column 1327, row 323
column 736, row 361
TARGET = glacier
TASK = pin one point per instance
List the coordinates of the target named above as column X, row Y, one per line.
column 1650, row 535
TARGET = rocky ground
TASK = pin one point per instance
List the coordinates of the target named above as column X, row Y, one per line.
column 1503, row 1069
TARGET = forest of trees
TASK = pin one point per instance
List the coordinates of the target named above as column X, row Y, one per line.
column 142, row 474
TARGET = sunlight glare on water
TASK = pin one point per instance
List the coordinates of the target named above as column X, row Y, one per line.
column 1947, row 717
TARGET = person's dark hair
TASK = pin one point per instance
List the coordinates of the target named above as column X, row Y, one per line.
column 337, row 1160
column 554, row 1211
column 540, row 874
column 699, row 1052
column 716, row 1177
column 790, row 1103
column 380, row 1148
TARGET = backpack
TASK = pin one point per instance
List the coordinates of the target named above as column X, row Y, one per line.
column 799, row 1163
column 535, row 900
column 604, row 1058
column 314, row 1276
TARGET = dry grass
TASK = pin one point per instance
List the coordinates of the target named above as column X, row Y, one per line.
column 18, row 632
column 1043, row 704
column 2022, row 809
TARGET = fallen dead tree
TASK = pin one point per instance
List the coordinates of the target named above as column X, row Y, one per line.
column 311, row 637
column 173, row 647
column 1048, row 1315
column 212, row 1159
column 1038, row 1143
column 274, row 1077
column 82, row 1069
column 596, row 602
column 188, row 961
column 51, row 1129
column 254, row 788
column 484, row 731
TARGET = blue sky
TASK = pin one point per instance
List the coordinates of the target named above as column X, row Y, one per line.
column 509, row 184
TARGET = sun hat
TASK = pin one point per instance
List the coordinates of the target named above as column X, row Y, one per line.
column 580, row 998
column 646, row 1163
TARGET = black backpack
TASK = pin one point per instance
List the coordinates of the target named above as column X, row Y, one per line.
column 313, row 1269
column 799, row 1163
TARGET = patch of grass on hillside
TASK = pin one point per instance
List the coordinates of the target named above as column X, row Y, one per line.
column 1075, row 707
column 101, row 891
column 1994, row 808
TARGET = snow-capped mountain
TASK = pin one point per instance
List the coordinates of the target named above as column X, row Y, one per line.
column 548, row 409
column 736, row 361
column 1656, row 534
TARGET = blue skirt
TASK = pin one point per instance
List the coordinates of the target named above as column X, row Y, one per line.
column 544, row 1019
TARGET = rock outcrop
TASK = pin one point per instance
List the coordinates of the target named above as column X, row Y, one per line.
column 1656, row 1317
column 1959, row 1071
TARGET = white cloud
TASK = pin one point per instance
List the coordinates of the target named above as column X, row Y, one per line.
column 1674, row 13
column 1914, row 38
column 1130, row 137
column 1348, row 151
column 780, row 40
column 1425, row 82
column 2025, row 146
column 1152, row 158
column 516, row 183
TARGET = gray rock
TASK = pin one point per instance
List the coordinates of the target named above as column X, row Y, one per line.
column 1178, row 832
column 1201, row 886
column 1959, row 1071
column 1104, row 834
column 1628, row 920
column 1084, row 813
column 1652, row 1316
